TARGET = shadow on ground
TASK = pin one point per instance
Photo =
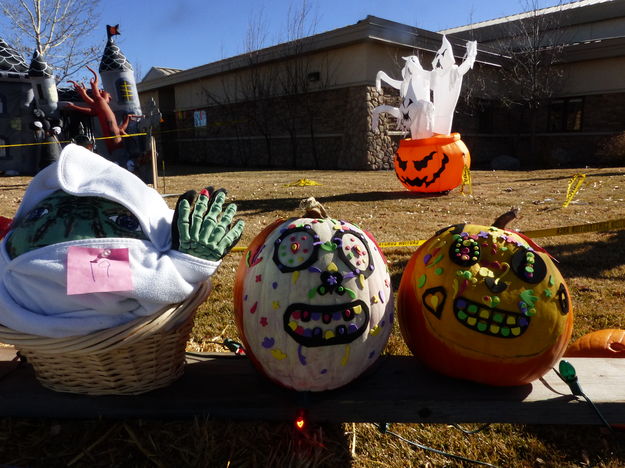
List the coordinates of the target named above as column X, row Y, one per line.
column 590, row 259
column 265, row 205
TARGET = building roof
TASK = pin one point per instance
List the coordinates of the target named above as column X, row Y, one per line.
column 158, row 72
column 10, row 59
column 570, row 14
column 370, row 28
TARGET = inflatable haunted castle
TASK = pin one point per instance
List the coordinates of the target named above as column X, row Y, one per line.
column 37, row 117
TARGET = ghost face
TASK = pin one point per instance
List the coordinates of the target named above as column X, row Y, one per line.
column 444, row 57
column 62, row 217
column 317, row 305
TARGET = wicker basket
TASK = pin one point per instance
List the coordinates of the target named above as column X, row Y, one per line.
column 136, row 357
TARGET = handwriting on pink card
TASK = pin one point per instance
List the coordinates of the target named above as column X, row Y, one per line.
column 91, row 270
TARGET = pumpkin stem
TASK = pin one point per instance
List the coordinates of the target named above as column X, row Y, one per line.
column 502, row 221
column 312, row 208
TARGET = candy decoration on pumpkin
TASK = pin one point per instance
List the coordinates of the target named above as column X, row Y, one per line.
column 433, row 159
column 601, row 343
column 484, row 304
column 313, row 301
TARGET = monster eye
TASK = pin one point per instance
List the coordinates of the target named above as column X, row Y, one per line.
column 296, row 249
column 354, row 251
column 528, row 266
column 36, row 214
column 402, row 164
column 127, row 222
column 563, row 299
column 464, row 251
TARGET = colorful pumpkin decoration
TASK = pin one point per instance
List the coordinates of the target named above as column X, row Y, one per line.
column 433, row 164
column 313, row 302
column 601, row 343
column 484, row 304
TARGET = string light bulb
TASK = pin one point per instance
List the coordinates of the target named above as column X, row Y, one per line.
column 300, row 420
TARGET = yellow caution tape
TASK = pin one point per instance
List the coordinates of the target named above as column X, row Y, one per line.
column 69, row 141
column 575, row 184
column 33, row 144
column 121, row 136
column 302, row 183
column 613, row 225
column 414, row 243
column 466, row 180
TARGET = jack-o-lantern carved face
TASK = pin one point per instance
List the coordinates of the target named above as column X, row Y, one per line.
column 313, row 302
column 487, row 296
column 431, row 164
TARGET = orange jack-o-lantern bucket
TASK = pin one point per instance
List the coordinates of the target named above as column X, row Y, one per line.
column 432, row 164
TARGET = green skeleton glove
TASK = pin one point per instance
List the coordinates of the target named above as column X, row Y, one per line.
column 201, row 231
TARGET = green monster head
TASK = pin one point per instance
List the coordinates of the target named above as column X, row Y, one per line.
column 63, row 217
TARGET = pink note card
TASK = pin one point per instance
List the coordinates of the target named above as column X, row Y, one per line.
column 91, row 270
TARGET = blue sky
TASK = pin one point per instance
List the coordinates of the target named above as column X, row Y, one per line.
column 188, row 33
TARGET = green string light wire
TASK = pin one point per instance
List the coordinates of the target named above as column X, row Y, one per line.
column 567, row 373
column 383, row 428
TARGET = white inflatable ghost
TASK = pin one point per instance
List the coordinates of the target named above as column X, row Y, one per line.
column 417, row 113
column 446, row 81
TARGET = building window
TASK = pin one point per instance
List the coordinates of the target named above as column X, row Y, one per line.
column 314, row 76
column 4, row 152
column 124, row 91
column 566, row 114
column 199, row 118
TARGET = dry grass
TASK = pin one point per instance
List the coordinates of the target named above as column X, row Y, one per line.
column 593, row 263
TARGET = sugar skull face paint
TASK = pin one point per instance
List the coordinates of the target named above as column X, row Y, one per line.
column 316, row 305
column 485, row 293
column 63, row 217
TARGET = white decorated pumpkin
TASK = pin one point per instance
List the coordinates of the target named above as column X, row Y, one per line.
column 313, row 302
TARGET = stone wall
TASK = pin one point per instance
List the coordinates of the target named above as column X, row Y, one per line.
column 328, row 129
column 331, row 129
column 381, row 146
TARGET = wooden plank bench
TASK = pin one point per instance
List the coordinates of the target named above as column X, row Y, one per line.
column 224, row 386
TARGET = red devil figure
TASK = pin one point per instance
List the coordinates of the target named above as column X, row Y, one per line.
column 98, row 105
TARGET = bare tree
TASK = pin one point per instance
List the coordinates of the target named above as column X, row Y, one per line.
column 532, row 75
column 269, row 92
column 58, row 29
column 295, row 77
column 258, row 84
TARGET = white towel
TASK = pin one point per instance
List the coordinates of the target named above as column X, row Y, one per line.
column 33, row 286
column 85, row 174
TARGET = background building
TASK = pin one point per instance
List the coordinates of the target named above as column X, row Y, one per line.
column 307, row 103
column 576, row 114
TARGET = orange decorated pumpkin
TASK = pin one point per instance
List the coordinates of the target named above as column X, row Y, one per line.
column 432, row 164
column 601, row 343
column 313, row 302
column 484, row 304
